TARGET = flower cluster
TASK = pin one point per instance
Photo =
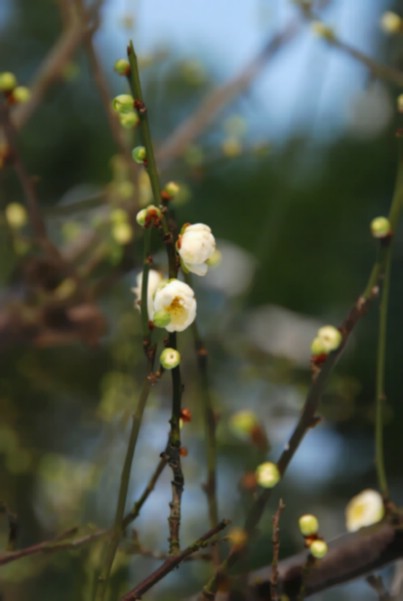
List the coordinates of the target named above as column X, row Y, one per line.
column 171, row 303
column 309, row 528
column 14, row 93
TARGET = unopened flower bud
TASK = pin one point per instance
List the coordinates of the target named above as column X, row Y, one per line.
column 139, row 155
column 243, row 422
column 170, row 190
column 8, row 81
column 328, row 339
column 161, row 319
column 123, row 103
column 391, row 23
column 122, row 232
column 237, row 537
column 318, row 549
column 16, row 215
column 308, row 524
column 267, row 474
column 129, row 120
column 170, row 357
column 122, row 66
column 21, row 94
column 149, row 215
column 380, row 227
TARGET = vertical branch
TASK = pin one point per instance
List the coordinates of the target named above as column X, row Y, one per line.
column 172, row 451
column 274, row 593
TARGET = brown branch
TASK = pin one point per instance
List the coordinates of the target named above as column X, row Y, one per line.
column 171, row 563
column 51, row 547
column 276, row 550
column 56, row 60
column 349, row 557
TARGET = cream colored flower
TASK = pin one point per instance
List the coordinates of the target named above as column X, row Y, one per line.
column 154, row 280
column 196, row 245
column 267, row 474
column 176, row 301
column 365, row 509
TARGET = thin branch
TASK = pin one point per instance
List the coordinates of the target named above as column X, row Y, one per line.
column 202, row 117
column 51, row 546
column 274, row 589
column 171, row 563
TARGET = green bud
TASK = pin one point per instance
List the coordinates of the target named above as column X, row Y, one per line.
column 148, row 215
column 170, row 190
column 267, row 474
column 21, row 94
column 123, row 103
column 161, row 319
column 170, row 358
column 16, row 215
column 8, row 81
column 308, row 524
column 318, row 549
column 380, row 227
column 129, row 120
column 139, row 155
column 122, row 66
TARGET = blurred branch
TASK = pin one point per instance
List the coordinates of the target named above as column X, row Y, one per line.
column 351, row 556
column 53, row 65
column 52, row 546
column 171, row 563
column 194, row 125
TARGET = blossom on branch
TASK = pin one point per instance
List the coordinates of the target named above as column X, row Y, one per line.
column 365, row 509
column 175, row 305
column 196, row 246
column 154, row 280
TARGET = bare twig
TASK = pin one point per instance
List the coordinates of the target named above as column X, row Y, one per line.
column 173, row 562
column 274, row 592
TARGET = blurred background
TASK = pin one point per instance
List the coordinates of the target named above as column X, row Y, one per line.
column 285, row 145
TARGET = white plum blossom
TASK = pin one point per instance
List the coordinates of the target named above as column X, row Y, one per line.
column 365, row 509
column 154, row 280
column 175, row 300
column 196, row 245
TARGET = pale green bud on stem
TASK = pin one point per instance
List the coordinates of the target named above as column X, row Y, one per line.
column 8, row 81
column 380, row 227
column 318, row 549
column 169, row 191
column 170, row 358
column 139, row 155
column 129, row 120
column 123, row 103
column 16, row 215
column 267, row 474
column 151, row 215
column 21, row 94
column 328, row 339
column 122, row 66
column 308, row 525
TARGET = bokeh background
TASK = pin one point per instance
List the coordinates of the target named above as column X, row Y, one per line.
column 288, row 170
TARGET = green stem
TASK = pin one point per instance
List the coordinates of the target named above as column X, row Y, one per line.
column 380, row 382
column 112, row 544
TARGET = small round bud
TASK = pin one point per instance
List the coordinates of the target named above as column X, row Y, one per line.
column 16, row 215
column 330, row 337
column 186, row 415
column 122, row 66
column 170, row 190
column 231, row 147
column 267, row 474
column 243, row 422
column 318, row 347
column 308, row 525
column 183, row 452
column 123, row 103
column 318, row 549
column 391, row 23
column 380, row 227
column 237, row 537
column 322, row 30
column 170, row 358
column 161, row 319
column 139, row 155
column 149, row 215
column 21, row 94
column 8, row 81
column 129, row 120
